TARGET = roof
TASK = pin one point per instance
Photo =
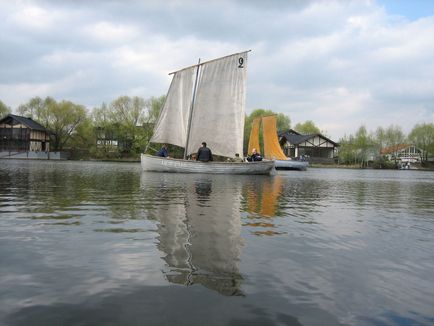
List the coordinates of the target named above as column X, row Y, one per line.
column 393, row 149
column 295, row 138
column 29, row 122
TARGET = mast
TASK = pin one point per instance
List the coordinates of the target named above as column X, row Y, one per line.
column 191, row 110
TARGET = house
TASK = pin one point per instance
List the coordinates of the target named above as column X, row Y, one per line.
column 403, row 153
column 106, row 139
column 318, row 148
column 19, row 134
column 22, row 137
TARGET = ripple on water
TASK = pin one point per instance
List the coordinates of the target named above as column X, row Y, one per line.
column 324, row 246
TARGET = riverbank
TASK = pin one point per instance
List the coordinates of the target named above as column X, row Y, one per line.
column 427, row 167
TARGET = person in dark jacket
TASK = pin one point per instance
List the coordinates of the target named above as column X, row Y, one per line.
column 255, row 156
column 163, row 152
column 204, row 154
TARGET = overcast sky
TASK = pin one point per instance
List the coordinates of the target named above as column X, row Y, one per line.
column 340, row 64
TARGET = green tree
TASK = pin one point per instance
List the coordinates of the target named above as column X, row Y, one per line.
column 363, row 143
column 283, row 123
column 83, row 140
column 4, row 109
column 154, row 106
column 37, row 109
column 355, row 149
column 105, row 128
column 347, row 150
column 61, row 118
column 394, row 137
column 422, row 136
column 129, row 120
column 379, row 138
column 307, row 128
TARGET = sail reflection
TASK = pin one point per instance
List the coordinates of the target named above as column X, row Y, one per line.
column 262, row 202
column 200, row 235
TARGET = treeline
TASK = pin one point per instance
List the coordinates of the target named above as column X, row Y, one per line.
column 365, row 146
column 121, row 128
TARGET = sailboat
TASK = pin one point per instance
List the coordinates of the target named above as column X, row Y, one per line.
column 205, row 103
column 272, row 149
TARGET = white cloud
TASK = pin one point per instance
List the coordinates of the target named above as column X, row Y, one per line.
column 108, row 32
column 33, row 17
column 337, row 63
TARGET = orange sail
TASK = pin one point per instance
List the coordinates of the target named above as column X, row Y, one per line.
column 272, row 149
column 254, row 136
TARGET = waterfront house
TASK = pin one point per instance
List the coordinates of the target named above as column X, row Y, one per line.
column 403, row 153
column 22, row 137
column 106, row 139
column 19, row 134
column 316, row 147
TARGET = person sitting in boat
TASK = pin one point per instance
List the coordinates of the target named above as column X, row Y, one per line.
column 204, row 154
column 163, row 152
column 255, row 156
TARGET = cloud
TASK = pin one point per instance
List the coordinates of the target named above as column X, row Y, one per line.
column 107, row 32
column 339, row 64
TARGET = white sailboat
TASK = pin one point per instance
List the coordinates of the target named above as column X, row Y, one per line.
column 205, row 103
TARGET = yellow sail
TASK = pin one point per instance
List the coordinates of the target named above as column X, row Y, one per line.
column 254, row 136
column 272, row 149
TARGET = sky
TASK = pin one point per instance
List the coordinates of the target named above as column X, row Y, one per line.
column 340, row 64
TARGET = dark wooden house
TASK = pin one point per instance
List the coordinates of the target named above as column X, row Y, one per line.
column 315, row 147
column 20, row 134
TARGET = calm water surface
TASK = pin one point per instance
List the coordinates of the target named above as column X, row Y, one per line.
column 104, row 244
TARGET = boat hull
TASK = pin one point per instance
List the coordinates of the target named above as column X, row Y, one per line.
column 161, row 164
column 291, row 165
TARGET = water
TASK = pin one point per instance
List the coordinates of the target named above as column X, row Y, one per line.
column 104, row 244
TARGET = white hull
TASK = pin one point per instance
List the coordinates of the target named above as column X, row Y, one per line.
column 161, row 164
column 291, row 165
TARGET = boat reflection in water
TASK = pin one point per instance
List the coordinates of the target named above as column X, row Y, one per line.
column 199, row 228
column 261, row 202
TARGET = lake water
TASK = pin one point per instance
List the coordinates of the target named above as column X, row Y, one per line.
column 85, row 243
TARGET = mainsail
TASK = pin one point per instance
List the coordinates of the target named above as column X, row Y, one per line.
column 218, row 112
column 217, row 116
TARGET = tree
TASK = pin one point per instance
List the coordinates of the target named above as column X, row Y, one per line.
column 422, row 136
column 355, row 149
column 379, row 138
column 363, row 143
column 84, row 137
column 347, row 151
column 61, row 118
column 283, row 122
column 129, row 120
column 105, row 128
column 153, row 107
column 307, row 128
column 394, row 137
column 37, row 109
column 4, row 109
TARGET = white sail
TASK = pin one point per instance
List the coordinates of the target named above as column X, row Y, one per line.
column 218, row 112
column 171, row 126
